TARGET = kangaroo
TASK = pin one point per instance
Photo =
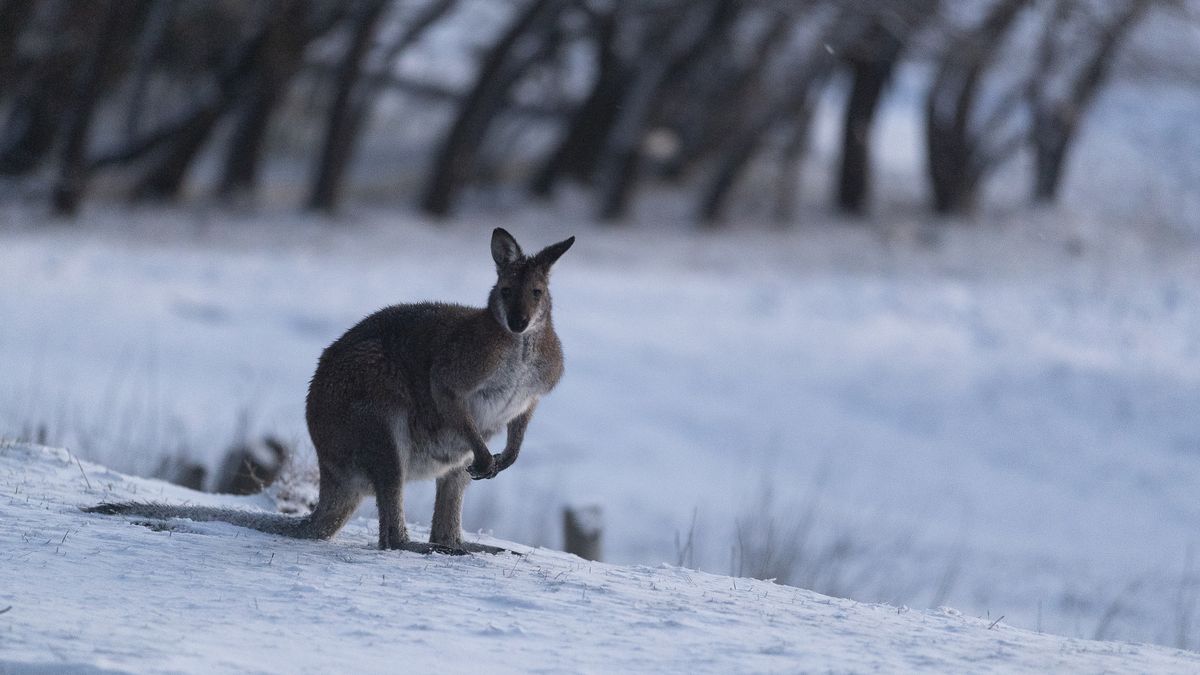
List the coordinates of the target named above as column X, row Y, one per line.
column 414, row 392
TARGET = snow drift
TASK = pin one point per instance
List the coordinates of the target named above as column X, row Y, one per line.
column 89, row 593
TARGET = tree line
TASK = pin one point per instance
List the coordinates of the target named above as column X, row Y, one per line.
column 691, row 93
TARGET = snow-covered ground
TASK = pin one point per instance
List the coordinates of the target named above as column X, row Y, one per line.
column 89, row 594
column 1000, row 419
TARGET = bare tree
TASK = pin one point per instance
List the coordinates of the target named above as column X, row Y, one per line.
column 787, row 178
column 175, row 75
column 961, row 150
column 43, row 89
column 353, row 96
column 14, row 15
column 528, row 39
column 577, row 152
column 787, row 113
column 149, row 44
column 700, row 107
column 669, row 50
column 1056, row 118
column 293, row 25
column 871, row 60
column 170, row 152
column 120, row 18
column 678, row 88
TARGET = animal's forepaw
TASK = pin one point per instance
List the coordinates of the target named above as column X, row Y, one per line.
column 480, row 471
column 504, row 460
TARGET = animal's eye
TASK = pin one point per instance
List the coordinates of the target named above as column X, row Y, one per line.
column 505, row 292
column 537, row 292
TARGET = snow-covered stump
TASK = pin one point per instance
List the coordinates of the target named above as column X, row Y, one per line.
column 582, row 530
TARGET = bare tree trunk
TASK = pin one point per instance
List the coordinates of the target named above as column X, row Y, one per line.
column 1056, row 124
column 32, row 125
column 13, row 14
column 578, row 151
column 163, row 176
column 456, row 157
column 793, row 108
column 618, row 166
column 957, row 159
column 151, row 40
column 163, row 180
column 120, row 18
column 790, row 158
column 44, row 91
column 871, row 73
column 279, row 59
column 745, row 145
column 1051, row 138
column 345, row 113
column 704, row 111
column 729, row 169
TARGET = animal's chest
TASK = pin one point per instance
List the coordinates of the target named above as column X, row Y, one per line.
column 504, row 396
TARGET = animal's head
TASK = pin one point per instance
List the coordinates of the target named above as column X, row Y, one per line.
column 520, row 300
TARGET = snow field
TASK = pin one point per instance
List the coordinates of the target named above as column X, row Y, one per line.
column 92, row 593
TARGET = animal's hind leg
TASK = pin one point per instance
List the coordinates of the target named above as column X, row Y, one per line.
column 447, row 509
column 380, row 460
column 376, row 455
column 447, row 515
column 338, row 501
column 389, row 498
column 393, row 533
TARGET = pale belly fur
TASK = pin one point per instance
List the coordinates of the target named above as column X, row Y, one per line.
column 491, row 408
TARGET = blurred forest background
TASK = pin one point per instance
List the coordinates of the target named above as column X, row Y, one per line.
column 159, row 100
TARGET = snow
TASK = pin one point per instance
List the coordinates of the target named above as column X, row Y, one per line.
column 93, row 593
column 974, row 416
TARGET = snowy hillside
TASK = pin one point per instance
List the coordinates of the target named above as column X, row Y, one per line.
column 998, row 418
column 89, row 593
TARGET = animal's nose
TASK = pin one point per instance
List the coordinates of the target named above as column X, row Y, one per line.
column 518, row 322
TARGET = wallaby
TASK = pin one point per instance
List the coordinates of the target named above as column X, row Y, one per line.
column 413, row 392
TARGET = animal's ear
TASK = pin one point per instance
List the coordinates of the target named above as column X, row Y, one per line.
column 547, row 256
column 505, row 250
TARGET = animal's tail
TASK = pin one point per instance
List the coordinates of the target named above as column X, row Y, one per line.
column 312, row 526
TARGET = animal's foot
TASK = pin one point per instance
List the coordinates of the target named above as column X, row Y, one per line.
column 488, row 469
column 471, row 547
column 504, row 459
column 425, row 549
column 446, row 550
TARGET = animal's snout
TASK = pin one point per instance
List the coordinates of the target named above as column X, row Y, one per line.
column 518, row 322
